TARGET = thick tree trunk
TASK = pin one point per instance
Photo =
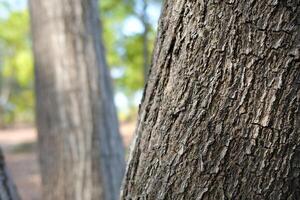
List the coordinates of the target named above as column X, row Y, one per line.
column 81, row 152
column 8, row 190
column 220, row 115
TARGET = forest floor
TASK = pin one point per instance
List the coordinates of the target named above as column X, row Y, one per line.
column 19, row 146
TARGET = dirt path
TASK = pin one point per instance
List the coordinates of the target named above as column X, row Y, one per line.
column 19, row 146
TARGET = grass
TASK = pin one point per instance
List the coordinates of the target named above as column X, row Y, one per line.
column 26, row 147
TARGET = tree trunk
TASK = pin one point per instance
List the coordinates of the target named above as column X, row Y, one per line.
column 145, row 22
column 220, row 113
column 81, row 152
column 8, row 190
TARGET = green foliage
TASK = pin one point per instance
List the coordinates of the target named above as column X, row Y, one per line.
column 124, row 55
column 125, row 52
column 16, row 71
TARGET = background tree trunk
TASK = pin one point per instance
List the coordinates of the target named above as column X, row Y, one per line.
column 220, row 115
column 81, row 152
column 145, row 22
column 8, row 190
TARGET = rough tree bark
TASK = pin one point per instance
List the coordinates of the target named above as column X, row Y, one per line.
column 8, row 190
column 220, row 114
column 81, row 152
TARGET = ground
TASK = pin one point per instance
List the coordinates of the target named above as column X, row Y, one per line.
column 19, row 145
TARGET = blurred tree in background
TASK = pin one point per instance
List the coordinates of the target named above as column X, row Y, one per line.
column 129, row 33
column 16, row 68
column 129, row 30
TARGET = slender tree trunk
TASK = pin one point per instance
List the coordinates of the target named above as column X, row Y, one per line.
column 220, row 114
column 145, row 22
column 81, row 152
column 8, row 190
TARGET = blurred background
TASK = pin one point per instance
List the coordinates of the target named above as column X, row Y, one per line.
column 129, row 29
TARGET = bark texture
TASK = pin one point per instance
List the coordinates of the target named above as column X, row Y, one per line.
column 81, row 152
column 8, row 190
column 220, row 113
